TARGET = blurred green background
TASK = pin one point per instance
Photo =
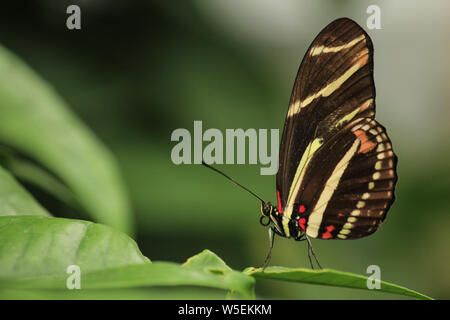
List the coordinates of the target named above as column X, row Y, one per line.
column 137, row 70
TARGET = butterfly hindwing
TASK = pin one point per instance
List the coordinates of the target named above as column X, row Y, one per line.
column 356, row 202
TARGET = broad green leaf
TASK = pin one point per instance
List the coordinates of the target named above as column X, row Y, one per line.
column 36, row 121
column 151, row 293
column 206, row 259
column 33, row 246
column 207, row 273
column 15, row 200
column 209, row 261
column 328, row 277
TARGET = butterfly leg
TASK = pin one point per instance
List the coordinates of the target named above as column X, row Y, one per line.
column 302, row 237
column 311, row 252
column 309, row 257
column 269, row 254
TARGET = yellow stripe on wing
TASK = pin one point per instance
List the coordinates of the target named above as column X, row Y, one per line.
column 361, row 60
column 298, row 178
column 315, row 219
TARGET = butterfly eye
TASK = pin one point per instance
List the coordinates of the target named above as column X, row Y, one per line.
column 266, row 209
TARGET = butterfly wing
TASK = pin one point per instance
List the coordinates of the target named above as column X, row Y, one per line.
column 349, row 185
column 334, row 90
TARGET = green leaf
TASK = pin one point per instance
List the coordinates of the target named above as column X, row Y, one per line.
column 328, row 277
column 155, row 274
column 209, row 261
column 37, row 122
column 206, row 259
column 202, row 272
column 33, row 246
column 166, row 293
column 15, row 200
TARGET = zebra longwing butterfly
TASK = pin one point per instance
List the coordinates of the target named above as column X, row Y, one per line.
column 337, row 170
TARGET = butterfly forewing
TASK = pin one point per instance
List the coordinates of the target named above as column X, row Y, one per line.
column 325, row 163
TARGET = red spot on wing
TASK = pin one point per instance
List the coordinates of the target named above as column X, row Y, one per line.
column 327, row 234
column 302, row 208
column 280, row 207
column 301, row 223
column 366, row 144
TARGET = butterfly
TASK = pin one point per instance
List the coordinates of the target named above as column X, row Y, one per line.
column 337, row 170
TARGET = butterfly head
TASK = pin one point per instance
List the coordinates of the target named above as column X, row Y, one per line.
column 267, row 209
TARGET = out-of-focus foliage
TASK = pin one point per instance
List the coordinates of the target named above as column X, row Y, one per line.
column 14, row 200
column 36, row 122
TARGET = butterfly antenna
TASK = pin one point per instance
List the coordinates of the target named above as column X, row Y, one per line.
column 232, row 180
